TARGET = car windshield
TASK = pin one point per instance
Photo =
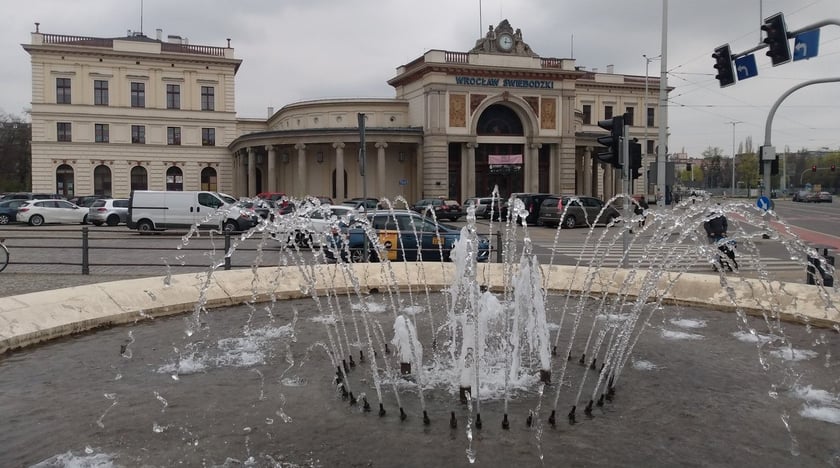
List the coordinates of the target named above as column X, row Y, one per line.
column 98, row 203
column 227, row 198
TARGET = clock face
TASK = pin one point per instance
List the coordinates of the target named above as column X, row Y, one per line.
column 505, row 42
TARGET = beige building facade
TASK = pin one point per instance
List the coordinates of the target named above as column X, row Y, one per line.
column 460, row 125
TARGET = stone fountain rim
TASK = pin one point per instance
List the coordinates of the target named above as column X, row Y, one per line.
column 33, row 318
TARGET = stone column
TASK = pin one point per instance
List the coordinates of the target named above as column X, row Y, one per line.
column 470, row 170
column 534, row 171
column 252, row 172
column 418, row 174
column 339, row 171
column 300, row 187
column 243, row 174
column 380, row 170
column 586, row 165
column 272, row 168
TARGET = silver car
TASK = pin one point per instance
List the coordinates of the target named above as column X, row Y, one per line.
column 108, row 211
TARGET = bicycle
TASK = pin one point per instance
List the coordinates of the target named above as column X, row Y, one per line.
column 4, row 255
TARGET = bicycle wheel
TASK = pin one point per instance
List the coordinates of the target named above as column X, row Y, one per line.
column 4, row 257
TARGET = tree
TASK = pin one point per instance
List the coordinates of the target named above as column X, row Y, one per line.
column 15, row 153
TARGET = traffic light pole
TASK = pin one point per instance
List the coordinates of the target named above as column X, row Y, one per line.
column 627, row 175
column 768, row 152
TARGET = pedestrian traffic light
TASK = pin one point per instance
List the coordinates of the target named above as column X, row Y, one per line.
column 635, row 159
column 723, row 64
column 813, row 168
column 774, row 164
column 613, row 141
column 777, row 39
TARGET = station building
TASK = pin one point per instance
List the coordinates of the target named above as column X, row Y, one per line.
column 114, row 115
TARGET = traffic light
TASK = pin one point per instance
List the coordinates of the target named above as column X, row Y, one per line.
column 612, row 141
column 635, row 159
column 723, row 65
column 813, row 168
column 774, row 166
column 777, row 39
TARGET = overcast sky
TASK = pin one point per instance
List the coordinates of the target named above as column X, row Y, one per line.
column 295, row 50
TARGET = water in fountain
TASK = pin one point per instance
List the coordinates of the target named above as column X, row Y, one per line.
column 467, row 368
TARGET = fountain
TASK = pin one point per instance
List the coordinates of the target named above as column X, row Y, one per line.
column 437, row 364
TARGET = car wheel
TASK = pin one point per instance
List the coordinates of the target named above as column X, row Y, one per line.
column 145, row 226
column 454, row 218
column 97, row 223
column 36, row 220
column 356, row 256
column 569, row 222
column 230, row 226
column 84, row 220
column 113, row 220
column 4, row 219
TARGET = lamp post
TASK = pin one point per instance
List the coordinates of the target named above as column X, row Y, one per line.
column 734, row 123
column 647, row 65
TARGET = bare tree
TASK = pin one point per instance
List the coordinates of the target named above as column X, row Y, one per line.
column 15, row 153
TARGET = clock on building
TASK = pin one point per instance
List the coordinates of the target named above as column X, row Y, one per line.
column 505, row 42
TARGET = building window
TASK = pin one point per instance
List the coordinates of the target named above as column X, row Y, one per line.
column 173, row 96
column 139, row 178
column 208, row 98
column 62, row 90
column 629, row 111
column 64, row 130
column 173, row 135
column 102, row 180
column 138, row 94
column 608, row 112
column 100, row 132
column 208, row 179
column 208, row 137
column 174, row 179
column 64, row 185
column 138, row 134
column 650, row 117
column 100, row 92
column 649, row 147
column 587, row 114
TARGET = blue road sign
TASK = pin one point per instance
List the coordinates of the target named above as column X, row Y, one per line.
column 806, row 45
column 745, row 67
column 763, row 203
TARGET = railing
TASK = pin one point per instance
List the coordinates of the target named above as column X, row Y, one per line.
column 78, row 40
column 192, row 49
column 104, row 252
column 551, row 62
column 457, row 57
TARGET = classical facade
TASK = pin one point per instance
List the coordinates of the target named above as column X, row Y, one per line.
column 460, row 124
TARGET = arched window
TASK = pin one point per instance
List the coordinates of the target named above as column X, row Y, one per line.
column 174, row 179
column 208, row 180
column 499, row 120
column 102, row 180
column 139, row 178
column 64, row 181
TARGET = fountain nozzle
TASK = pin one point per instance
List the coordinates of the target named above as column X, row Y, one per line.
column 426, row 420
column 588, row 410
column 352, row 399
column 554, row 351
column 361, row 356
column 478, row 421
column 453, row 423
column 545, row 376
column 592, row 366
column 552, row 420
column 505, row 422
column 403, row 416
column 582, row 360
column 352, row 362
column 381, row 410
column 530, row 419
column 338, row 377
column 600, row 400
column 387, row 351
column 366, row 405
column 572, row 415
column 344, row 362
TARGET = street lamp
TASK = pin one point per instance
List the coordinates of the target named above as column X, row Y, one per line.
column 734, row 122
column 645, row 110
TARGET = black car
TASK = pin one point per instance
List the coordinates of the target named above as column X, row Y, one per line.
column 532, row 203
column 9, row 209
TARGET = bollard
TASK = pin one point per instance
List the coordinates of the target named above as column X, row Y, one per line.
column 818, row 265
column 499, row 258
column 85, row 260
column 227, row 250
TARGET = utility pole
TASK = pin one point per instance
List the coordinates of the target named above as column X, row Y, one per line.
column 663, row 106
column 645, row 114
column 734, row 123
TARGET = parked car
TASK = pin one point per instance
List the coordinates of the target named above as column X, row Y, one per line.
column 367, row 203
column 32, row 196
column 809, row 197
column 8, row 210
column 39, row 212
column 271, row 195
column 244, row 215
column 483, row 206
column 316, row 223
column 111, row 211
column 824, row 197
column 444, row 209
column 579, row 210
column 86, row 201
column 415, row 230
column 532, row 202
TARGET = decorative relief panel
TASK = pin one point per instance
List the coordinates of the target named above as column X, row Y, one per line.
column 534, row 102
column 475, row 101
column 548, row 113
column 457, row 110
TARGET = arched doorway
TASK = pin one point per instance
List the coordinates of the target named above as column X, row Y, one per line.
column 174, row 179
column 102, row 180
column 208, row 180
column 499, row 164
column 139, row 178
column 64, row 185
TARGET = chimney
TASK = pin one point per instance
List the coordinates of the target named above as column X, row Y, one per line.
column 158, row 33
column 270, row 111
column 610, row 69
column 174, row 39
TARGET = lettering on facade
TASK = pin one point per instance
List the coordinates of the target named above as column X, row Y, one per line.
column 504, row 83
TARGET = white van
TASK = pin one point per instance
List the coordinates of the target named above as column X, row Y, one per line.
column 154, row 210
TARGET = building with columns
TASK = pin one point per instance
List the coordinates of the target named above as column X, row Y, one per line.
column 460, row 124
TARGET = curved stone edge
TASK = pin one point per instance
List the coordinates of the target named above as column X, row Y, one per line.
column 32, row 318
